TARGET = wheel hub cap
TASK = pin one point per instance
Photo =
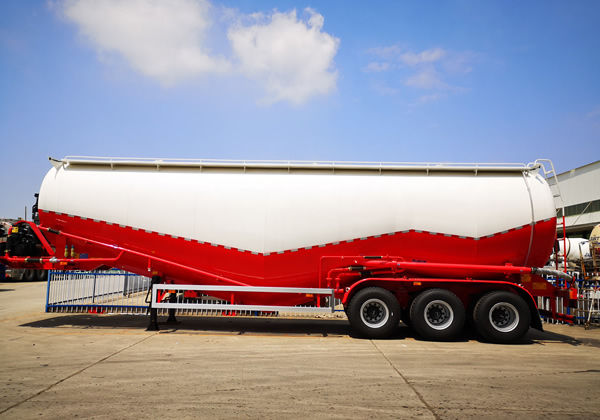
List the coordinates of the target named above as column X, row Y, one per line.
column 439, row 315
column 504, row 317
column 374, row 313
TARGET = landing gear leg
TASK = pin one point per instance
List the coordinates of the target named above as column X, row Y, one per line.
column 172, row 319
column 153, row 326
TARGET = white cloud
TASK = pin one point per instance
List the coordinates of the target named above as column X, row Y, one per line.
column 390, row 52
column 384, row 89
column 375, row 67
column 426, row 79
column 161, row 39
column 427, row 56
column 425, row 99
column 459, row 63
column 429, row 69
column 291, row 58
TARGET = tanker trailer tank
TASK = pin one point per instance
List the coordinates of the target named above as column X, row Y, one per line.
column 355, row 228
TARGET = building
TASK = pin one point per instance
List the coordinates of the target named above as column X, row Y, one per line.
column 580, row 192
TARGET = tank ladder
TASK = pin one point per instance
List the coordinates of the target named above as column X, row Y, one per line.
column 555, row 304
column 552, row 179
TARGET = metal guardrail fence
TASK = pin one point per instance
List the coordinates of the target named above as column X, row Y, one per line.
column 177, row 299
column 119, row 292
column 96, row 291
column 588, row 308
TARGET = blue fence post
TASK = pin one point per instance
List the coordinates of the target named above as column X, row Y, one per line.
column 94, row 289
column 50, row 275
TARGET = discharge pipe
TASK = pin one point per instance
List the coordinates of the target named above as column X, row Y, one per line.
column 551, row 272
column 507, row 269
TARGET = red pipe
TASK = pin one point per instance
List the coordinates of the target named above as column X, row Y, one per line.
column 146, row 256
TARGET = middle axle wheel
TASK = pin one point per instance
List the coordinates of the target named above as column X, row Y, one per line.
column 437, row 314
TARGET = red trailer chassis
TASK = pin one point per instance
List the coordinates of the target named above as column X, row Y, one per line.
column 376, row 291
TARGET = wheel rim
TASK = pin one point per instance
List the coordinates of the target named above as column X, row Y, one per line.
column 374, row 313
column 504, row 317
column 438, row 315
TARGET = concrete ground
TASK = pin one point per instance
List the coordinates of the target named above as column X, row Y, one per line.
column 102, row 366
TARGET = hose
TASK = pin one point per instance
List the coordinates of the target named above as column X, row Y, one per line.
column 551, row 272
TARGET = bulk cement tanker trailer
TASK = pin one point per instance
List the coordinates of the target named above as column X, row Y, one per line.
column 431, row 244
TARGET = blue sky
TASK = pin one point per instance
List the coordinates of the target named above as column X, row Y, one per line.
column 401, row 81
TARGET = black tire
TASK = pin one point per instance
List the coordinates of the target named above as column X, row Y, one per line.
column 437, row 314
column 41, row 275
column 29, row 275
column 502, row 317
column 374, row 312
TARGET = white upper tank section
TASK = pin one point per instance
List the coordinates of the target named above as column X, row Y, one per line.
column 268, row 207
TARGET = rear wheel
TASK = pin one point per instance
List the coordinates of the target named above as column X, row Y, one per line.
column 374, row 312
column 437, row 314
column 502, row 317
column 29, row 275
